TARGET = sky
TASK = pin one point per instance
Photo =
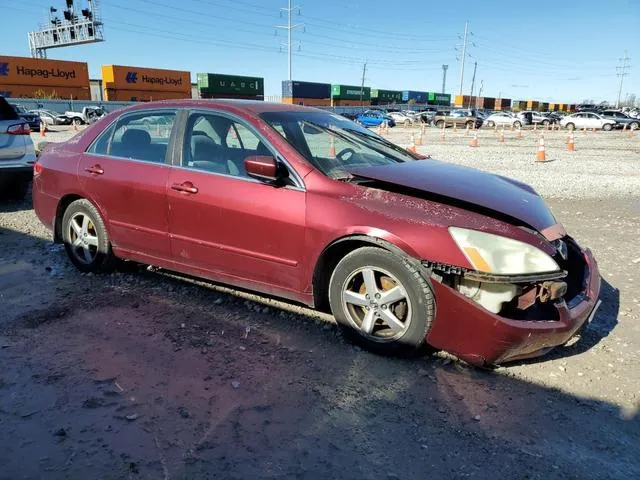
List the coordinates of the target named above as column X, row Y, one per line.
column 549, row 50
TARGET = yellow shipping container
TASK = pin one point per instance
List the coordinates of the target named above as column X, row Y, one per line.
column 42, row 72
column 44, row 92
column 459, row 101
column 118, row 77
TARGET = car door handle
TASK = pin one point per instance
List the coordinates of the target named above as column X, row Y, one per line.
column 186, row 187
column 95, row 170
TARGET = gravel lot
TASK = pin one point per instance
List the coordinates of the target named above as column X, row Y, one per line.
column 142, row 374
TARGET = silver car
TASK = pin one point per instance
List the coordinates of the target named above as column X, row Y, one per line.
column 17, row 153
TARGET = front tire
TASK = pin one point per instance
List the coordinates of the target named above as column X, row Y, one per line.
column 607, row 127
column 77, row 122
column 571, row 126
column 517, row 124
column 381, row 301
column 440, row 123
column 634, row 125
column 86, row 239
column 491, row 124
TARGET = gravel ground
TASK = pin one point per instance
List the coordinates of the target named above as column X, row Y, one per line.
column 142, row 374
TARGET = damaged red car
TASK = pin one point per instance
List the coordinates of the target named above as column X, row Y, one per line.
column 303, row 204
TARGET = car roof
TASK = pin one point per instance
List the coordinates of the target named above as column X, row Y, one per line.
column 251, row 106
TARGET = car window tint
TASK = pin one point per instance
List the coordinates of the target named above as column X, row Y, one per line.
column 101, row 145
column 143, row 136
column 217, row 144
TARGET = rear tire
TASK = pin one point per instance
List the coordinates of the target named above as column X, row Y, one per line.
column 77, row 122
column 469, row 124
column 381, row 302
column 634, row 125
column 571, row 126
column 517, row 124
column 607, row 127
column 440, row 123
column 491, row 124
column 86, row 239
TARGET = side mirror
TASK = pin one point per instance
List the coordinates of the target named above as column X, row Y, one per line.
column 263, row 167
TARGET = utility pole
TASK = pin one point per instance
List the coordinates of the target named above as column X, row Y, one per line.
column 622, row 71
column 289, row 28
column 444, row 77
column 482, row 88
column 464, row 54
column 364, row 72
column 473, row 81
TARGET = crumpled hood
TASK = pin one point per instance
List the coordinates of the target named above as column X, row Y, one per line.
column 500, row 194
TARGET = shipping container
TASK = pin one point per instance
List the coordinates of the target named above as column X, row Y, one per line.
column 111, row 94
column 434, row 98
column 310, row 102
column 411, row 96
column 543, row 107
column 230, row 96
column 118, row 77
column 95, row 87
column 385, row 97
column 488, row 103
column 35, row 91
column 350, row 92
column 337, row 102
column 220, row 84
column 533, row 104
column 505, row 104
column 561, row 107
column 43, row 72
column 295, row 89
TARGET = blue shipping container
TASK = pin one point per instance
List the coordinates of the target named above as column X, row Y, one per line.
column 417, row 97
column 297, row 89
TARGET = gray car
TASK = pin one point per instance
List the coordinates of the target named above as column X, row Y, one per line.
column 17, row 153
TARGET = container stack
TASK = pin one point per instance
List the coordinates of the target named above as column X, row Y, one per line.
column 23, row 77
column 218, row 85
column 385, row 97
column 350, row 96
column 411, row 96
column 138, row 84
column 306, row 93
column 443, row 99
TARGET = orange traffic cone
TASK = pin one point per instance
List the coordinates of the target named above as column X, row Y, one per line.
column 455, row 128
column 412, row 148
column 419, row 139
column 442, row 133
column 624, row 127
column 535, row 127
column 474, row 140
column 466, row 134
column 380, row 129
column 43, row 129
column 571, row 147
column 519, row 132
column 75, row 127
column 422, row 129
column 584, row 130
column 541, row 157
column 332, row 149
column 511, row 127
column 501, row 137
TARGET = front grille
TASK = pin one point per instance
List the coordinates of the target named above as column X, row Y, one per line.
column 575, row 266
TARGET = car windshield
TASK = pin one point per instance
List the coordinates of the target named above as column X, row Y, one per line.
column 332, row 144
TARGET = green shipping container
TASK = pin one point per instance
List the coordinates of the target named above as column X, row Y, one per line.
column 349, row 92
column 216, row 83
column 386, row 96
column 438, row 98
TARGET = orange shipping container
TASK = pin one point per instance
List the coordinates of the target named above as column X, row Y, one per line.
column 42, row 72
column 37, row 91
column 310, row 102
column 142, row 95
column 118, row 77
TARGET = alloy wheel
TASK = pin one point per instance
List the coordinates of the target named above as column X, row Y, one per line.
column 377, row 304
column 83, row 238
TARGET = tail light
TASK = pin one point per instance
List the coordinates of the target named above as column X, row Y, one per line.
column 37, row 169
column 19, row 129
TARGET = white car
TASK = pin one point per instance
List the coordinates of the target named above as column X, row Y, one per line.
column 502, row 118
column 587, row 120
column 402, row 118
column 536, row 117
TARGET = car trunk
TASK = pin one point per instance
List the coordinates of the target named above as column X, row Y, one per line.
column 12, row 147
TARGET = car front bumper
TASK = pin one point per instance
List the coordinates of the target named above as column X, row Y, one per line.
column 480, row 337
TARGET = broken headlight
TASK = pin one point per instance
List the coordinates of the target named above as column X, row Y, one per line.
column 490, row 253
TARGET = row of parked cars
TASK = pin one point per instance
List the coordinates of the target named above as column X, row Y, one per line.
column 35, row 118
column 468, row 117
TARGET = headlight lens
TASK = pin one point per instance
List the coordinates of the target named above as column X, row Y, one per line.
column 490, row 253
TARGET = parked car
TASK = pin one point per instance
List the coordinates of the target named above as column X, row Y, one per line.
column 86, row 116
column 402, row 118
column 460, row 117
column 587, row 120
column 531, row 117
column 424, row 116
column 621, row 119
column 373, row 118
column 51, row 118
column 305, row 205
column 504, row 119
column 17, row 154
column 32, row 119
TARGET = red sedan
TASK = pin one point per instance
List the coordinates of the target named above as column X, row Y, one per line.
column 306, row 205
